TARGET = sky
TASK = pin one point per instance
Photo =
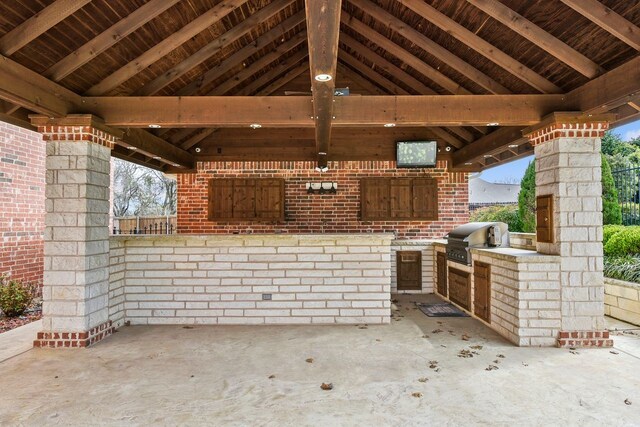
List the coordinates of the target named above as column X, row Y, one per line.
column 514, row 171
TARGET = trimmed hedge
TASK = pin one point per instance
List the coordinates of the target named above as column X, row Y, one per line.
column 623, row 268
column 624, row 242
column 610, row 230
column 507, row 214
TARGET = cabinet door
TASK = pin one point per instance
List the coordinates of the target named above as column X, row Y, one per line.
column 270, row 199
column 482, row 291
column 400, row 196
column 544, row 219
column 459, row 288
column 425, row 199
column 244, row 198
column 409, row 270
column 441, row 267
column 374, row 202
column 220, row 199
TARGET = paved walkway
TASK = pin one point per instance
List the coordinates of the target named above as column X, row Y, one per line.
column 169, row 375
column 19, row 340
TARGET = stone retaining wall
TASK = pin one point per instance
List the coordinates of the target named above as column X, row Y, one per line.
column 622, row 300
column 251, row 279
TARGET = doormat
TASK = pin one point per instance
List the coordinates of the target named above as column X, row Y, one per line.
column 441, row 310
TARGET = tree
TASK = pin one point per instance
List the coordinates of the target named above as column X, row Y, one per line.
column 611, row 212
column 142, row 191
column 527, row 200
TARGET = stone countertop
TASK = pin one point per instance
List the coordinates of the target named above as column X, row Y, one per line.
column 429, row 242
column 513, row 254
column 385, row 236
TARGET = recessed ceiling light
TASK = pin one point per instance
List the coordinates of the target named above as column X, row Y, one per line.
column 493, row 124
column 157, row 157
column 132, row 148
column 198, row 149
column 321, row 153
column 513, row 145
column 176, row 165
column 255, row 126
column 487, row 156
column 468, row 164
column 155, row 126
column 323, row 77
column 389, row 125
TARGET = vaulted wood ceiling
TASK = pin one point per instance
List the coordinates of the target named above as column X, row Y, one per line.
column 468, row 73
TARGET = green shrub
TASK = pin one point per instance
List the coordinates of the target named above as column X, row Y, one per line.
column 624, row 242
column 15, row 296
column 610, row 230
column 507, row 214
column 622, row 268
column 611, row 213
column 527, row 200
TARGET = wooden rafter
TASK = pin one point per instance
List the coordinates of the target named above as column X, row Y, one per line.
column 538, row 36
column 366, row 84
column 323, row 30
column 167, row 45
column 431, row 47
column 606, row 18
column 107, row 38
column 38, row 24
column 481, row 46
column 214, row 47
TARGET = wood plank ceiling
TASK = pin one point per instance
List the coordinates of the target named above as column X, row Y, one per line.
column 236, row 79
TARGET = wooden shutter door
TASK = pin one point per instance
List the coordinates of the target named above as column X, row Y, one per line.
column 441, row 267
column 409, row 270
column 400, row 197
column 244, row 198
column 482, row 291
column 374, row 198
column 425, row 199
column 220, row 199
column 270, row 199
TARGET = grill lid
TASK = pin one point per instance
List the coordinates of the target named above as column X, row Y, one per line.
column 464, row 231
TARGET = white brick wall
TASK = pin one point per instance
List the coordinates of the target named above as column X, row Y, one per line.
column 622, row 300
column 222, row 279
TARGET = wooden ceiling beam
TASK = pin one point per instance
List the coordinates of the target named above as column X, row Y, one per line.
column 38, row 24
column 296, row 111
column 213, row 74
column 539, row 37
column 370, row 73
column 323, row 30
column 481, row 46
column 407, row 57
column 429, row 46
column 157, row 148
column 107, row 38
column 214, row 47
column 163, row 48
column 607, row 19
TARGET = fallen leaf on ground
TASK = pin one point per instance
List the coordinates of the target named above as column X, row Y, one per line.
column 573, row 352
column 436, row 331
column 524, row 364
column 614, row 352
column 309, row 360
column 425, row 336
column 433, row 364
column 496, row 361
column 491, row 368
column 627, row 402
column 476, row 347
column 187, row 327
column 378, row 339
column 271, row 377
column 395, row 301
column 501, row 356
column 416, row 394
column 423, row 379
column 465, row 337
column 362, row 327
column 326, row 386
column 440, row 323
column 465, row 354
column 442, row 345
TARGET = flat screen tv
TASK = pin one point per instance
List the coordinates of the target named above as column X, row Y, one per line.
column 416, row 154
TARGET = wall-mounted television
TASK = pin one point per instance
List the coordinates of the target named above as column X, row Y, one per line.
column 416, row 154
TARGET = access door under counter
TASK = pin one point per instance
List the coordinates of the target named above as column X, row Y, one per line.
column 460, row 288
column 482, row 291
column 409, row 270
column 441, row 274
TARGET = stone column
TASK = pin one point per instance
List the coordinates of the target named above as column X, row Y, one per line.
column 568, row 167
column 76, row 248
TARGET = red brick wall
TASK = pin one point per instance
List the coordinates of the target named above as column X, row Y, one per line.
column 313, row 213
column 22, row 182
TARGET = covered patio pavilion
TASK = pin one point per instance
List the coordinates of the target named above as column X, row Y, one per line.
column 254, row 104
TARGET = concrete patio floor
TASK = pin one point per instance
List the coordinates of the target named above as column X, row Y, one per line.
column 169, row 375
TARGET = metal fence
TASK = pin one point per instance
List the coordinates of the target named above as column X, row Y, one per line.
column 144, row 225
column 628, row 185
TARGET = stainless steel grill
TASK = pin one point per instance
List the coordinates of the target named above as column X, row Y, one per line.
column 475, row 235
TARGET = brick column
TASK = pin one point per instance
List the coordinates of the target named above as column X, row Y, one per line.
column 568, row 163
column 76, row 249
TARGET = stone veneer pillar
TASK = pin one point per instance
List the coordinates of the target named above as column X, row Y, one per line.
column 76, row 248
column 568, row 166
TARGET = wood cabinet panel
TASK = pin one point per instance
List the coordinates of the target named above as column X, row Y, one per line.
column 374, row 198
column 460, row 287
column 425, row 199
column 221, row 199
column 482, row 291
column 409, row 270
column 270, row 199
column 399, row 199
column 441, row 273
column 544, row 219
column 246, row 199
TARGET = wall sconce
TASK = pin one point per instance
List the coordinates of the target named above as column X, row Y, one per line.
column 325, row 187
